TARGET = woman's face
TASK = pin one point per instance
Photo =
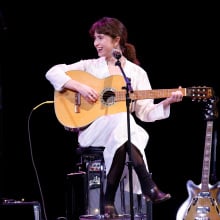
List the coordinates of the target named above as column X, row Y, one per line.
column 104, row 44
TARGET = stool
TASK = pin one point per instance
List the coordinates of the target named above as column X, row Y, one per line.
column 92, row 161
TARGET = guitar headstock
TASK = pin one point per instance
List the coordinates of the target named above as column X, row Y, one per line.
column 210, row 108
column 200, row 93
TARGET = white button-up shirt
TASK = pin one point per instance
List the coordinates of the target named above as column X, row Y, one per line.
column 111, row 131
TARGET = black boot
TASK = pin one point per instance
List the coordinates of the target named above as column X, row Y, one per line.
column 148, row 186
column 156, row 195
column 110, row 211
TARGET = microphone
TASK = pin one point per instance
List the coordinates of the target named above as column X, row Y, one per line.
column 116, row 54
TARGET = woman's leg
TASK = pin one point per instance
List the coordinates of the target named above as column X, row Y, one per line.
column 148, row 186
column 114, row 175
column 113, row 180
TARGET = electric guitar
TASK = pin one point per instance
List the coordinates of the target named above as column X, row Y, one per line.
column 203, row 202
column 73, row 111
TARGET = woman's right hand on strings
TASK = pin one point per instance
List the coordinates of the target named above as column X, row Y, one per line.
column 90, row 94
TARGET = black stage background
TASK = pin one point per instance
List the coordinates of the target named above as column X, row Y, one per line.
column 176, row 44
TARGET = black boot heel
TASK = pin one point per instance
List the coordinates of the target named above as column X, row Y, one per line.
column 110, row 212
column 157, row 196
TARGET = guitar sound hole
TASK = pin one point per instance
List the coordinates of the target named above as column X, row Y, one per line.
column 108, row 97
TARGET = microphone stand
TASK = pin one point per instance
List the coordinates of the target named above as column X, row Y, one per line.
column 128, row 89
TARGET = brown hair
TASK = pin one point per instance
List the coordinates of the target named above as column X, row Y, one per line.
column 115, row 28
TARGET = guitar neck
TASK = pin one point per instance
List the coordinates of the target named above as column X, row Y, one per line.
column 211, row 114
column 194, row 93
column 207, row 157
column 155, row 94
column 148, row 94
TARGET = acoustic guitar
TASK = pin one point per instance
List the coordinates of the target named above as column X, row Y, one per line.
column 73, row 111
column 204, row 199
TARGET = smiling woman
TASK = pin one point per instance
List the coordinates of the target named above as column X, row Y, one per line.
column 111, row 131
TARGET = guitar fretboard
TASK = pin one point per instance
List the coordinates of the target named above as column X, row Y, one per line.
column 149, row 94
column 207, row 156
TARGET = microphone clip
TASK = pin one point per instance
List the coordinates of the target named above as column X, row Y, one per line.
column 116, row 54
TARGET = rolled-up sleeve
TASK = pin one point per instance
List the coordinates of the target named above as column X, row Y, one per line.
column 57, row 77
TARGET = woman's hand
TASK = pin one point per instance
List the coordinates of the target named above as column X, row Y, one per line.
column 90, row 94
column 176, row 96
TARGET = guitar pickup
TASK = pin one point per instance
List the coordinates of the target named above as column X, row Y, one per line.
column 203, row 209
column 77, row 102
column 204, row 194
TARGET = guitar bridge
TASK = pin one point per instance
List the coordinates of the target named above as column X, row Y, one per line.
column 202, row 218
column 203, row 210
column 77, row 102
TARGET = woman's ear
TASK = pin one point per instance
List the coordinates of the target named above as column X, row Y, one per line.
column 116, row 42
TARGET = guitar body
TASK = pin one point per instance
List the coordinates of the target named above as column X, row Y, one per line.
column 74, row 115
column 200, row 205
